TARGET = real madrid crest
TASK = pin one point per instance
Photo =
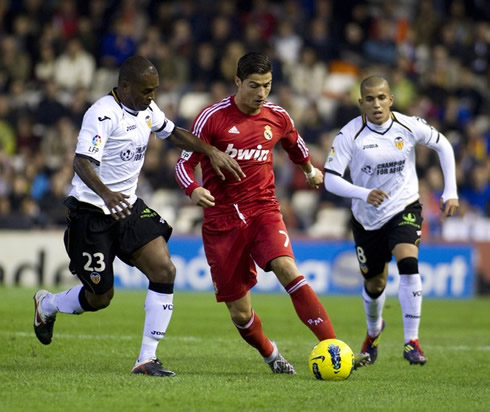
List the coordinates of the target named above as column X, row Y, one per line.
column 399, row 142
column 268, row 132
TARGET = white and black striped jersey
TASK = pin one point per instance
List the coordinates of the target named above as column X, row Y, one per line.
column 383, row 157
column 115, row 139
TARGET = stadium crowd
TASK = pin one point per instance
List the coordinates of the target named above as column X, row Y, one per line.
column 57, row 57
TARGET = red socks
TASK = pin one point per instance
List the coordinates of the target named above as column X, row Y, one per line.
column 309, row 309
column 252, row 333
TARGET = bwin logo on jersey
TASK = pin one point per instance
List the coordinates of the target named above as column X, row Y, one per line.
column 368, row 170
column 247, row 154
column 399, row 142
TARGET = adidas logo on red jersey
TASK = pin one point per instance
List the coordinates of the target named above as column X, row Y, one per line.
column 234, row 130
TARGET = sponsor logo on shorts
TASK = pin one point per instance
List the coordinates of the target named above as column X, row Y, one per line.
column 148, row 213
column 95, row 278
column 409, row 219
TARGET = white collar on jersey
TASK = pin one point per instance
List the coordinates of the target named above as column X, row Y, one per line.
column 130, row 111
column 380, row 127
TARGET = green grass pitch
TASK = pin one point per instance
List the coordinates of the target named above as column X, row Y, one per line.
column 87, row 365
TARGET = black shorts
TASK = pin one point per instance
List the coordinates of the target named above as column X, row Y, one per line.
column 94, row 239
column 374, row 247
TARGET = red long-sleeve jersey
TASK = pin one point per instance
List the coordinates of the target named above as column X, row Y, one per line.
column 249, row 139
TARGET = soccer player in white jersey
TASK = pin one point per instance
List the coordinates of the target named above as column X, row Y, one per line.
column 106, row 219
column 379, row 149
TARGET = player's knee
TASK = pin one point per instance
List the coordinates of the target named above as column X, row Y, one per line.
column 164, row 272
column 408, row 266
column 240, row 318
column 375, row 286
column 98, row 302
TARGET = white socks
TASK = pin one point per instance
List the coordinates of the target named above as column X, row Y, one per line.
column 373, row 308
column 64, row 302
column 158, row 308
column 410, row 296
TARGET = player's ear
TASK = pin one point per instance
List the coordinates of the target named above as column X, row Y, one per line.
column 392, row 99
column 124, row 86
column 238, row 82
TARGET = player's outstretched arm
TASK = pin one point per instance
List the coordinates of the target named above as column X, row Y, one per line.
column 219, row 160
column 116, row 202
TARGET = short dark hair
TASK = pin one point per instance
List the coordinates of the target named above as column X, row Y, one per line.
column 134, row 67
column 252, row 63
column 373, row 81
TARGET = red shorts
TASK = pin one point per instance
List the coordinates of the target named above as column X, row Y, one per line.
column 233, row 245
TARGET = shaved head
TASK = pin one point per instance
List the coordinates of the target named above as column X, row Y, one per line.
column 373, row 81
column 134, row 68
column 137, row 83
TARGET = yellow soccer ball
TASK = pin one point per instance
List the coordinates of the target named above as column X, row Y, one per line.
column 331, row 360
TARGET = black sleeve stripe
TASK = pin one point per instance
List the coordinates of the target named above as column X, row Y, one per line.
column 332, row 172
column 364, row 124
column 438, row 136
column 89, row 158
column 400, row 123
column 163, row 126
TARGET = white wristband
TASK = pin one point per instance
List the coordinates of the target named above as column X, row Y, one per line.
column 310, row 175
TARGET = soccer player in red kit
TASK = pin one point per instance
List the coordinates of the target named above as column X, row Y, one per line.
column 243, row 224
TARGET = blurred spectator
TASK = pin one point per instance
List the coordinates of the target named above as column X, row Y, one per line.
column 477, row 191
column 308, row 75
column 204, row 67
column 65, row 18
column 15, row 63
column 118, row 44
column 287, row 43
column 28, row 141
column 74, row 68
column 319, row 38
column 44, row 68
column 50, row 109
